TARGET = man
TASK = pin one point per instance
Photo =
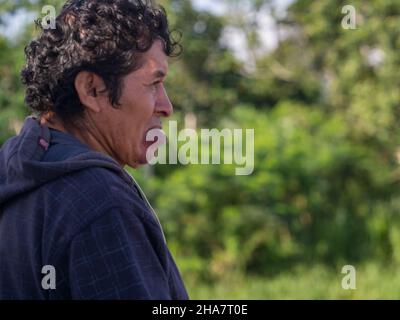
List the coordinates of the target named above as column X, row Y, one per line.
column 73, row 223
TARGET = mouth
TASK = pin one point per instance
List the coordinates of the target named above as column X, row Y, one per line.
column 155, row 134
column 155, row 127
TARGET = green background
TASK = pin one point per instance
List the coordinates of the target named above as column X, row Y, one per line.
column 324, row 104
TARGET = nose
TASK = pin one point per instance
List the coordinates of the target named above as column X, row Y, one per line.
column 163, row 105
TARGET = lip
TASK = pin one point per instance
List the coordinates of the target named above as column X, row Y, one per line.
column 156, row 127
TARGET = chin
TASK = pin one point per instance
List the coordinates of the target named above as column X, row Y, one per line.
column 137, row 157
column 138, row 163
column 133, row 165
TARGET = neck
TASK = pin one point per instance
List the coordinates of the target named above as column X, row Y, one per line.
column 87, row 134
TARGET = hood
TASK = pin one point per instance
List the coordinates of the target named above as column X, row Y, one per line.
column 39, row 154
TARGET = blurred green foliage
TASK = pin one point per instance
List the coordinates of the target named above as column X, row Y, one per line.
column 325, row 188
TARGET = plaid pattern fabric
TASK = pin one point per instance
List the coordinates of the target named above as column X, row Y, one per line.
column 89, row 223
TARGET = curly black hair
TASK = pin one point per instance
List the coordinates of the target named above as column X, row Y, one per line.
column 102, row 36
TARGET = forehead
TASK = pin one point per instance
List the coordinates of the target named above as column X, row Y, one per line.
column 155, row 59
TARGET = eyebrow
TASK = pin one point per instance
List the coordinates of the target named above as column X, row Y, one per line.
column 159, row 74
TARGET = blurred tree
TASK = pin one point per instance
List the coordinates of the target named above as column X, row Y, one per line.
column 12, row 60
column 325, row 188
column 205, row 78
column 324, row 106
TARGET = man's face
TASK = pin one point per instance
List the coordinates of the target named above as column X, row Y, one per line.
column 142, row 104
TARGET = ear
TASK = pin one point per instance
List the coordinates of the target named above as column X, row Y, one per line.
column 88, row 85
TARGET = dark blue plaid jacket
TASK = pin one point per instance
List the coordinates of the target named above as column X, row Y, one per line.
column 75, row 209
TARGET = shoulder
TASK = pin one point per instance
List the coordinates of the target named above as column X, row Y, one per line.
column 80, row 198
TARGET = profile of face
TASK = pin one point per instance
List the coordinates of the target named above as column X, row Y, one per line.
column 121, row 132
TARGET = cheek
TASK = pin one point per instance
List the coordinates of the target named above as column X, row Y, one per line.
column 137, row 116
column 137, row 130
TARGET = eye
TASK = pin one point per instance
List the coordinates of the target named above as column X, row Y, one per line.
column 154, row 85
